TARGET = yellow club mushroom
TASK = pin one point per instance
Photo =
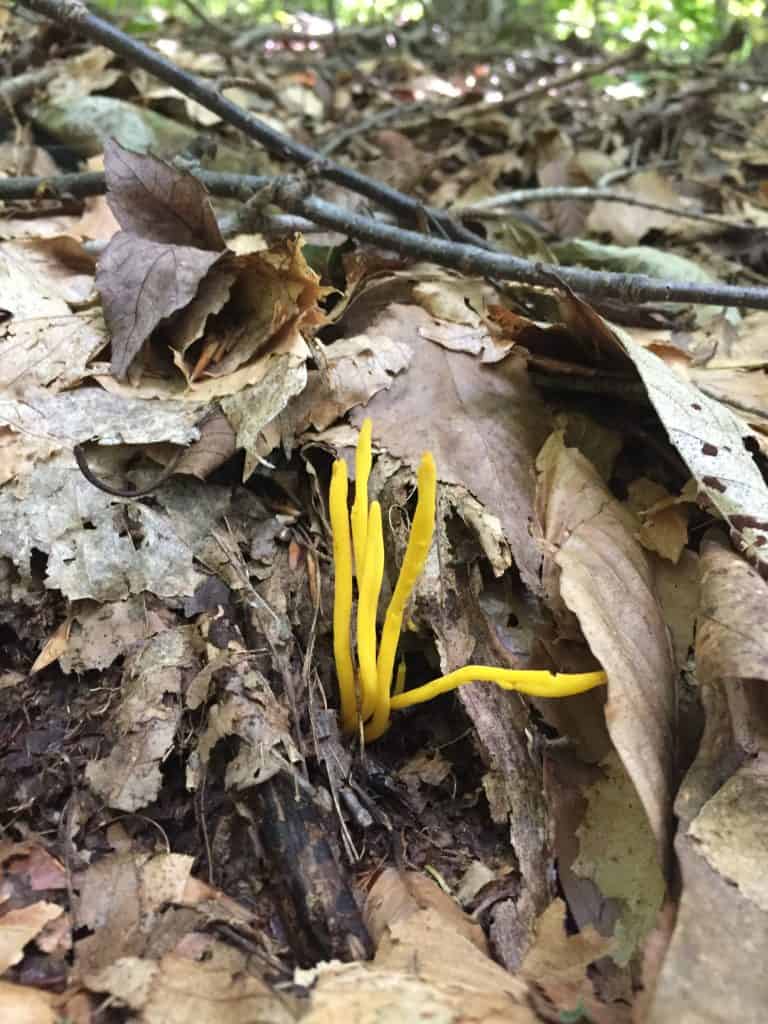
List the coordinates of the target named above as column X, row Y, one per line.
column 373, row 698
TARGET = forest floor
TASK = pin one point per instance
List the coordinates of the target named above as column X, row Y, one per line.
column 225, row 796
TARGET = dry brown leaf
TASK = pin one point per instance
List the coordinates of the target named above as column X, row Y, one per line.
column 427, row 963
column 121, row 898
column 557, row 965
column 627, row 225
column 557, row 165
column 663, row 519
column 158, row 202
column 354, row 370
column 249, row 710
column 169, row 265
column 715, row 445
column 143, row 282
column 84, row 74
column 483, row 424
column 27, row 287
column 177, row 990
column 677, row 588
column 18, row 927
column 25, row 1005
column 396, row 896
column 606, row 581
column 54, row 648
column 101, row 632
column 32, row 863
column 53, row 352
column 733, row 617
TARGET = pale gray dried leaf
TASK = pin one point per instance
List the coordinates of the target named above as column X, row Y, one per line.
column 712, row 441
column 606, row 581
column 141, row 283
column 731, row 668
column 732, row 830
column 100, row 633
column 354, row 369
column 713, row 968
column 483, row 424
column 249, row 711
column 145, row 721
column 50, row 352
column 58, row 512
column 732, row 632
column 158, row 201
column 195, row 508
column 25, row 290
column 251, row 411
column 91, row 413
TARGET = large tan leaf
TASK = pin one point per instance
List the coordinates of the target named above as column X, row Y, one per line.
column 606, row 581
column 483, row 424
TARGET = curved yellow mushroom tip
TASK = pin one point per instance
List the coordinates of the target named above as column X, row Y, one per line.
column 359, row 517
column 417, row 549
column 342, row 594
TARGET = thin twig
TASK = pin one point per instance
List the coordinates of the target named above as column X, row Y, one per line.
column 620, row 173
column 134, row 492
column 93, row 183
column 495, row 204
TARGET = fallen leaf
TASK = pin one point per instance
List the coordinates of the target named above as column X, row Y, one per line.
column 25, row 1005
column 18, row 927
column 596, row 566
column 483, row 424
column 146, row 721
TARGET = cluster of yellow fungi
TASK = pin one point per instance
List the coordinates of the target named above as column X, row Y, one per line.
column 367, row 695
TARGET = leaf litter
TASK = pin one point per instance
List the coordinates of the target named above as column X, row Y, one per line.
column 184, row 829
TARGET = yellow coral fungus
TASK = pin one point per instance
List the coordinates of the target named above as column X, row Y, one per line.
column 374, row 677
column 342, row 595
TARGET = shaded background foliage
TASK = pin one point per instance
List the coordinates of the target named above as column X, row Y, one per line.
column 681, row 26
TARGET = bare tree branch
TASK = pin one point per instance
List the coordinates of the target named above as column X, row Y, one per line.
column 291, row 194
column 495, row 205
column 469, row 259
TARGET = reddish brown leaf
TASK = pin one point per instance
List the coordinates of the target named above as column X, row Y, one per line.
column 157, row 201
column 141, row 283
